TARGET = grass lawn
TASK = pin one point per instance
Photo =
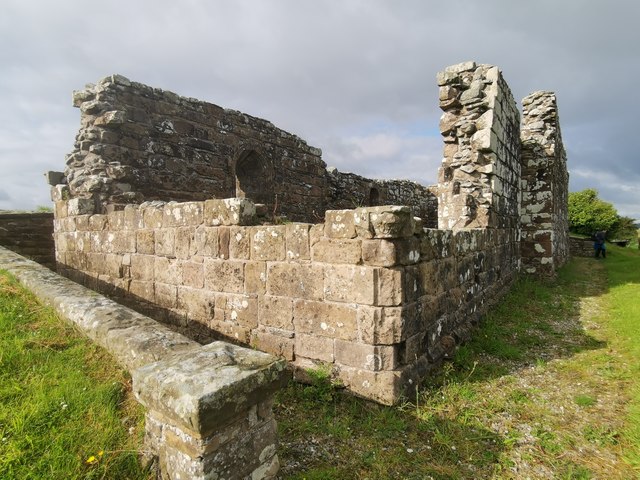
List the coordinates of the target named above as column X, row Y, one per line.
column 66, row 409
column 548, row 388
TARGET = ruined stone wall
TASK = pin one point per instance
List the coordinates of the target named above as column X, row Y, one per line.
column 545, row 187
column 30, row 234
column 480, row 172
column 368, row 292
column 348, row 190
column 375, row 292
column 137, row 143
column 140, row 143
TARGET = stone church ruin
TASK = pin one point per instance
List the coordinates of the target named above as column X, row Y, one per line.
column 224, row 226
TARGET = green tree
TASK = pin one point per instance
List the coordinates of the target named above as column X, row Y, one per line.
column 588, row 213
column 624, row 229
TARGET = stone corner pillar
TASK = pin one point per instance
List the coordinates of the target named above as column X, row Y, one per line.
column 209, row 412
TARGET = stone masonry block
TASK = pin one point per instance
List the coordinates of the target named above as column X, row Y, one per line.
column 380, row 325
column 205, row 242
column 335, row 250
column 384, row 222
column 229, row 211
column 184, row 237
column 240, row 243
column 145, row 242
column 80, row 206
column 166, row 295
column 276, row 312
column 239, row 309
column 339, row 224
column 297, row 241
column 142, row 289
column 388, row 286
column 367, row 357
column 295, row 280
column 268, row 243
column 224, row 275
column 165, row 241
column 182, row 214
column 168, row 270
column 385, row 387
column 199, row 304
column 193, row 274
column 389, row 253
column 255, row 277
column 152, row 216
column 142, row 267
column 325, row 319
column 273, row 344
column 224, row 239
column 350, row 283
column 313, row 347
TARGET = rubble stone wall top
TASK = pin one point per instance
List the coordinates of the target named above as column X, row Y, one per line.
column 480, row 172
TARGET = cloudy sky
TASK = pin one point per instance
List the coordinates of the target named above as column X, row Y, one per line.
column 355, row 78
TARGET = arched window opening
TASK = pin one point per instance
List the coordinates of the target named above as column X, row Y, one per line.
column 254, row 178
column 374, row 197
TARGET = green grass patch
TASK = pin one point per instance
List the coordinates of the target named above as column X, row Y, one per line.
column 623, row 302
column 66, row 410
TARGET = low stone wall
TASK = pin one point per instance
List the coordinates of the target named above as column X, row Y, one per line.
column 208, row 407
column 369, row 292
column 581, row 247
column 30, row 234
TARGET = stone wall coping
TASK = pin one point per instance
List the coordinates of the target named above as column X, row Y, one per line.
column 142, row 340
column 236, row 378
column 196, row 385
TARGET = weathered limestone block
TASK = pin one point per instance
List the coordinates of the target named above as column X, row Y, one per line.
column 276, row 312
column 325, row 319
column 240, row 243
column 304, row 281
column 314, row 347
column 239, row 309
column 205, row 242
column 384, row 386
column 229, row 211
column 142, row 267
column 255, row 277
column 224, row 275
column 268, row 243
column 182, row 214
column 389, row 253
column 380, row 325
column 80, row 206
column 183, row 239
column 384, row 222
column 165, row 241
column 297, row 241
column 213, row 407
column 339, row 224
column 145, row 241
column 350, row 284
column 197, row 303
column 193, row 274
column 279, row 345
column 167, row 270
column 335, row 250
column 367, row 357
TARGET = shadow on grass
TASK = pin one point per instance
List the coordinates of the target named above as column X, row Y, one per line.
column 341, row 437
